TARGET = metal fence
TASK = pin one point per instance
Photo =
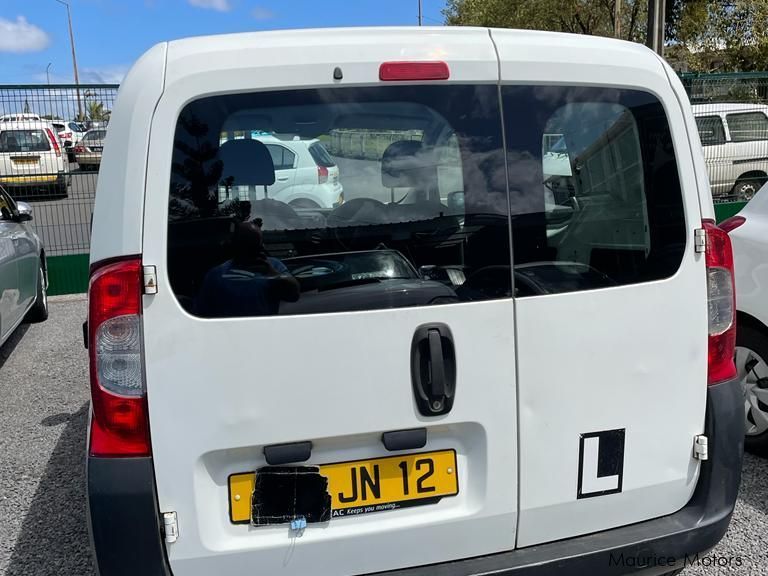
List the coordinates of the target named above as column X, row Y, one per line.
column 51, row 138
column 731, row 113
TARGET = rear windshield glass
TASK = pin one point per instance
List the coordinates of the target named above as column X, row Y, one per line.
column 422, row 201
column 320, row 155
column 24, row 141
column 414, row 215
column 95, row 135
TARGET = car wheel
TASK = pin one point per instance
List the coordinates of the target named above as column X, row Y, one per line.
column 752, row 366
column 745, row 190
column 304, row 203
column 39, row 310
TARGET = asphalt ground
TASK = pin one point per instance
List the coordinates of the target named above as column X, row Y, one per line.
column 43, row 417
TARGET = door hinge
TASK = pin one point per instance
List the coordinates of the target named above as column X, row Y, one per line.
column 700, row 240
column 170, row 527
column 701, row 447
column 150, row 280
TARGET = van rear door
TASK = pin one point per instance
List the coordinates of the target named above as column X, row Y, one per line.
column 611, row 295
column 374, row 341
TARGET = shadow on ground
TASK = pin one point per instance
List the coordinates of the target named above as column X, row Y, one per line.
column 53, row 539
column 10, row 345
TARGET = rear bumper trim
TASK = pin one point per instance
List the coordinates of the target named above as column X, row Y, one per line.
column 125, row 525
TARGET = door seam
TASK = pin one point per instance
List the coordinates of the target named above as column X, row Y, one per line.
column 512, row 282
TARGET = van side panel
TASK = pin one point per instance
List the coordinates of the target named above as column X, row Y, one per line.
column 119, row 209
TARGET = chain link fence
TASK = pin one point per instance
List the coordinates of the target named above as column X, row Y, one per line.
column 731, row 113
column 51, row 140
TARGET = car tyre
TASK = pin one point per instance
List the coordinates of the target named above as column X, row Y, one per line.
column 751, row 346
column 745, row 190
column 39, row 310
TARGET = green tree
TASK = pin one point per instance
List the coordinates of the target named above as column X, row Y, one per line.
column 594, row 17
column 95, row 111
column 707, row 35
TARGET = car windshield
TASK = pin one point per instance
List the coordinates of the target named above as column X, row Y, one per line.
column 24, row 141
column 320, row 155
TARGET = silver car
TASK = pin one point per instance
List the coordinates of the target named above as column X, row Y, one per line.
column 23, row 277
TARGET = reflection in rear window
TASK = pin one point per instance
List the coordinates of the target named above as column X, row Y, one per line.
column 320, row 155
column 357, row 231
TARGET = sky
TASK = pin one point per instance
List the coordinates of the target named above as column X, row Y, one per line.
column 111, row 34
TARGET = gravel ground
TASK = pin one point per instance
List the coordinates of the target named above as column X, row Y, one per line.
column 43, row 384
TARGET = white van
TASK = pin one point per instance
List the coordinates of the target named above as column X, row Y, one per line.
column 469, row 367
column 735, row 141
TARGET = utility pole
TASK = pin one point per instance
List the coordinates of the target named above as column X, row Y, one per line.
column 617, row 20
column 419, row 12
column 74, row 59
column 655, row 39
column 47, row 73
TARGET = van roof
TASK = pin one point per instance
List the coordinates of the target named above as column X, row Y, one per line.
column 347, row 36
column 724, row 107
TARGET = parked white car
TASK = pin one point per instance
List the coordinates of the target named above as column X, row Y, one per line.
column 306, row 177
column 462, row 375
column 748, row 231
column 31, row 158
column 735, row 141
column 70, row 133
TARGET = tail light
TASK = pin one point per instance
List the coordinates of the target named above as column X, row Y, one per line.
column 54, row 142
column 120, row 424
column 322, row 174
column 79, row 149
column 732, row 223
column 394, row 71
column 721, row 302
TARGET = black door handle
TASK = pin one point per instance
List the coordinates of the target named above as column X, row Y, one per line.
column 433, row 369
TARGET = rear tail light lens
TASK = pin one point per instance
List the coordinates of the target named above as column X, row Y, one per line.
column 732, row 223
column 120, row 425
column 54, row 142
column 400, row 71
column 79, row 149
column 721, row 302
column 322, row 174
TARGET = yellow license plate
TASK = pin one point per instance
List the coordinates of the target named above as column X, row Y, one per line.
column 34, row 160
column 364, row 486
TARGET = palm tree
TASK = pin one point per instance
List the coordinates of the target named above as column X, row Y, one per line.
column 95, row 111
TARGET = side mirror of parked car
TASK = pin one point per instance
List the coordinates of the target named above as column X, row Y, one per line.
column 24, row 212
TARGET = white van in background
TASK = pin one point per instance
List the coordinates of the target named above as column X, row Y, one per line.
column 735, row 141
column 524, row 368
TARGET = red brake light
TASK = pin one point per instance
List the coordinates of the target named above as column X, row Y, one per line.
column 322, row 174
column 120, row 424
column 54, row 142
column 79, row 149
column 393, row 71
column 732, row 223
column 721, row 304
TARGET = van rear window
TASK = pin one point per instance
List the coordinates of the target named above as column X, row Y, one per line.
column 403, row 202
column 413, row 201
